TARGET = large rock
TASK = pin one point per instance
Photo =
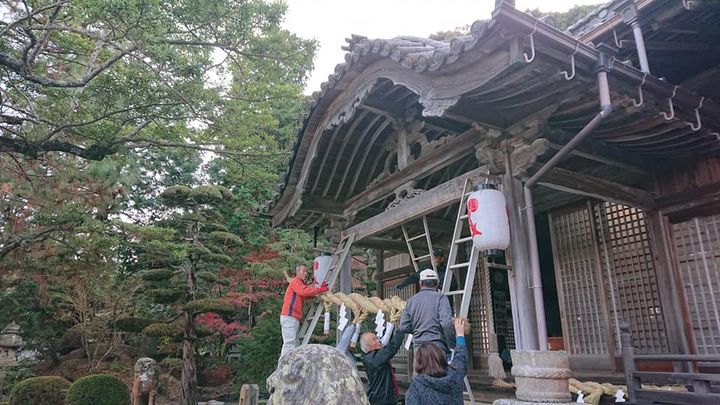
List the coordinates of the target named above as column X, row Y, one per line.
column 315, row 374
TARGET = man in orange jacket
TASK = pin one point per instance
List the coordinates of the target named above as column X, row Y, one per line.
column 292, row 309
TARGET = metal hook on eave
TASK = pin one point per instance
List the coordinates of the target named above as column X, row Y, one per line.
column 619, row 43
column 697, row 126
column 717, row 135
column 686, row 4
column 572, row 64
column 672, row 109
column 532, row 46
column 640, row 92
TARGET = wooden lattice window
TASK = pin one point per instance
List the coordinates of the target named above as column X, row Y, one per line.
column 629, row 273
column 577, row 277
column 697, row 247
column 389, row 290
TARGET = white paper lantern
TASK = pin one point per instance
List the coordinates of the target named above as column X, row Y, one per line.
column 321, row 265
column 488, row 217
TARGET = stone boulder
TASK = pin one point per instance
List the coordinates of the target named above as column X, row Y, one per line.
column 315, row 374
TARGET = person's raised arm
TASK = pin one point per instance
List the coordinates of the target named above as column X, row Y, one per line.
column 405, row 322
column 301, row 289
column 388, row 352
column 459, row 362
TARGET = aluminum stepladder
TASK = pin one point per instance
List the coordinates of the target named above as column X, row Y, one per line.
column 408, row 239
column 311, row 320
column 470, row 265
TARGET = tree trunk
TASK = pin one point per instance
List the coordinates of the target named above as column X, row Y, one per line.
column 188, row 379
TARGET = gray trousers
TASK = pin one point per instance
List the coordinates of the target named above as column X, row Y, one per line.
column 290, row 328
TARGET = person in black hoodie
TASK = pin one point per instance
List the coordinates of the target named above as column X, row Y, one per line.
column 382, row 385
column 437, row 382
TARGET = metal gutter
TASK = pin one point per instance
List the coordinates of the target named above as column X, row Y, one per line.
column 604, row 62
column 550, row 37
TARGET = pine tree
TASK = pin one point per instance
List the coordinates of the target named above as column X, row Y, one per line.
column 181, row 268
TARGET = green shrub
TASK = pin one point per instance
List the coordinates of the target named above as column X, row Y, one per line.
column 48, row 390
column 98, row 389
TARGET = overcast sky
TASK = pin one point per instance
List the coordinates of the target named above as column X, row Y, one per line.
column 331, row 21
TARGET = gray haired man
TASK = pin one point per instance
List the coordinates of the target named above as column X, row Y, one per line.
column 428, row 316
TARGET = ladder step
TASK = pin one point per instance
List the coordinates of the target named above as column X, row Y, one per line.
column 463, row 216
column 459, row 265
column 458, row 292
column 423, row 257
column 499, row 266
column 463, row 240
column 416, row 237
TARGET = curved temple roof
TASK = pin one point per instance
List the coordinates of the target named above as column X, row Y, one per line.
column 476, row 82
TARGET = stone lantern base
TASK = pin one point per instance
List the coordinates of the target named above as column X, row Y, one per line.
column 541, row 377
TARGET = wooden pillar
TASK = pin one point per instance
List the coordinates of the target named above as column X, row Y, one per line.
column 523, row 307
column 379, row 270
column 345, row 282
column 672, row 296
column 628, row 356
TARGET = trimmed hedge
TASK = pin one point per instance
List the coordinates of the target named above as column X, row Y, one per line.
column 98, row 389
column 49, row 390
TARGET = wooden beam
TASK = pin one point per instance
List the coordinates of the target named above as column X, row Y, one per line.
column 323, row 206
column 686, row 28
column 669, row 46
column 441, row 196
column 601, row 159
column 595, row 187
column 441, row 157
column 677, row 202
column 383, row 244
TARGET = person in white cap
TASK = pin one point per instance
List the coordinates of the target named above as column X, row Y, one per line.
column 428, row 316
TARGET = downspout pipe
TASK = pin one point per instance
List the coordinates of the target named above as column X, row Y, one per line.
column 605, row 110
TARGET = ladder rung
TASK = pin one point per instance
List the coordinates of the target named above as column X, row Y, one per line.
column 463, row 216
column 459, row 265
column 499, row 266
column 423, row 257
column 463, row 240
column 458, row 292
column 416, row 237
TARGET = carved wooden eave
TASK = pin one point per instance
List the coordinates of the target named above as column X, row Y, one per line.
column 415, row 110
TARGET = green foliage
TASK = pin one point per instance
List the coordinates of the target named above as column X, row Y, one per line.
column 260, row 350
column 161, row 329
column 12, row 375
column 48, row 390
column 132, row 324
column 98, row 389
column 171, row 363
column 565, row 19
column 157, row 275
column 166, row 295
column 211, row 305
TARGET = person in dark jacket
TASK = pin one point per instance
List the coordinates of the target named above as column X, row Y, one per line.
column 439, row 259
column 437, row 382
column 428, row 316
column 382, row 385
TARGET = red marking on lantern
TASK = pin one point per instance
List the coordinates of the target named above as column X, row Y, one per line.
column 316, row 265
column 472, row 205
column 473, row 228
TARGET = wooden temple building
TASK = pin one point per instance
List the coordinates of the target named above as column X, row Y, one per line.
column 604, row 140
